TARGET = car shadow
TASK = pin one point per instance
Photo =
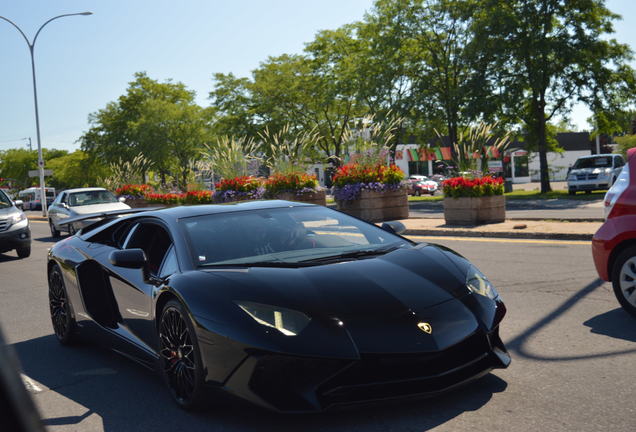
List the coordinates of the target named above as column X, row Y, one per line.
column 127, row 396
column 50, row 239
column 616, row 323
column 7, row 258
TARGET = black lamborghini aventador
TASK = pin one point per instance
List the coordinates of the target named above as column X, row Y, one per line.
column 291, row 306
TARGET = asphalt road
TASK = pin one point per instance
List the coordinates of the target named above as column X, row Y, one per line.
column 574, row 359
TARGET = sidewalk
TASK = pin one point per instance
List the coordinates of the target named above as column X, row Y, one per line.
column 528, row 229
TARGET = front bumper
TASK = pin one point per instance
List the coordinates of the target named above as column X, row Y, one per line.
column 15, row 237
column 300, row 384
column 589, row 185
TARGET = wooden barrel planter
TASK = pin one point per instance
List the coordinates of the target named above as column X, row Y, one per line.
column 139, row 203
column 378, row 206
column 318, row 197
column 475, row 211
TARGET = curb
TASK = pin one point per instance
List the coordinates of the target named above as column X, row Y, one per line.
column 502, row 234
column 534, row 219
column 37, row 218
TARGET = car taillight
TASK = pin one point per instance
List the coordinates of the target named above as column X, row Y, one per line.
column 619, row 186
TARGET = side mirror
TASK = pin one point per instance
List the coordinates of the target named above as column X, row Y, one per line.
column 394, row 227
column 19, row 204
column 122, row 199
column 128, row 258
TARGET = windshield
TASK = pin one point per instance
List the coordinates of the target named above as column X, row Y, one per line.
column 596, row 162
column 4, row 200
column 91, row 197
column 284, row 236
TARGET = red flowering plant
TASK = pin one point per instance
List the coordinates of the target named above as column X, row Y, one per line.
column 296, row 182
column 197, row 197
column 134, row 190
column 351, row 179
column 238, row 189
column 167, row 198
column 459, row 187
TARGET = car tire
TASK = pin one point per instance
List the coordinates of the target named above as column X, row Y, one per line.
column 180, row 357
column 587, row 192
column 418, row 193
column 64, row 325
column 24, row 252
column 571, row 192
column 625, row 285
column 71, row 229
column 54, row 232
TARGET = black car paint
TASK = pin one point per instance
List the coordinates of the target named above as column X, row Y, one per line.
column 357, row 310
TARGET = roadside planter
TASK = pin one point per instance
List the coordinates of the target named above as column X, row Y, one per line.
column 135, row 195
column 299, row 187
column 178, row 199
column 373, row 193
column 474, row 201
column 243, row 188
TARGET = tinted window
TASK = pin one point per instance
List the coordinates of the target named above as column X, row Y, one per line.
column 154, row 240
column 4, row 200
column 287, row 234
column 91, row 197
column 594, row 162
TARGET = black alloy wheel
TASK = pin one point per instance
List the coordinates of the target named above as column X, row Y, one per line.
column 54, row 232
column 180, row 357
column 63, row 323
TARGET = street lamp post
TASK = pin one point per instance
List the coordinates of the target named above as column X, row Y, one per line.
column 35, row 99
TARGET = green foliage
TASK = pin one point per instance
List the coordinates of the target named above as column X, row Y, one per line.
column 625, row 143
column 15, row 165
column 288, row 151
column 75, row 169
column 229, row 157
column 476, row 141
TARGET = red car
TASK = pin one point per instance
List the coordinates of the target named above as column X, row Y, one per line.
column 614, row 244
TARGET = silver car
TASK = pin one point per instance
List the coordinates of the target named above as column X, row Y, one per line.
column 14, row 227
column 594, row 172
column 80, row 202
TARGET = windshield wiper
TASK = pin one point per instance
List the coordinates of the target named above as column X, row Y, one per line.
column 355, row 254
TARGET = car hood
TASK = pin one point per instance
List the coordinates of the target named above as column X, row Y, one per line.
column 379, row 300
column 6, row 211
column 98, row 208
column 589, row 170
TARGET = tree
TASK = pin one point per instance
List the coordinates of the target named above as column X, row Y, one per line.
column 158, row 120
column 549, row 54
column 75, row 169
column 16, row 163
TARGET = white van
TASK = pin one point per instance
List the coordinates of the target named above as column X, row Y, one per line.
column 31, row 197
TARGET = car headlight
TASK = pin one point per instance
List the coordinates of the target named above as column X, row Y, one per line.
column 16, row 217
column 288, row 322
column 478, row 283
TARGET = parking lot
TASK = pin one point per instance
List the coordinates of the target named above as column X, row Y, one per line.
column 572, row 346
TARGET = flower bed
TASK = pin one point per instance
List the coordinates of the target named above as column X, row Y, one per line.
column 135, row 194
column 371, row 192
column 239, row 189
column 300, row 187
column 474, row 201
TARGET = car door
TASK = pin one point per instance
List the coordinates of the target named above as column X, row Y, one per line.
column 54, row 209
column 134, row 288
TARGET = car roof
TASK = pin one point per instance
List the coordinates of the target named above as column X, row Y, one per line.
column 206, row 209
column 84, row 189
column 598, row 155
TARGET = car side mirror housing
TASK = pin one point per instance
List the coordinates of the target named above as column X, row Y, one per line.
column 19, row 204
column 128, row 258
column 122, row 199
column 394, row 227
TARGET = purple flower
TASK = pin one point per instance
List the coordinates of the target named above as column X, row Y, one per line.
column 351, row 192
column 232, row 195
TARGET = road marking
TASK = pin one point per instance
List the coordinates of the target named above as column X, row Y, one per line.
column 37, row 221
column 504, row 240
column 30, row 385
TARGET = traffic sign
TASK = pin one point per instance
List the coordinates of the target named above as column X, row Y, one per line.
column 36, row 173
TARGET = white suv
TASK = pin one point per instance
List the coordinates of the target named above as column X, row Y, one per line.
column 594, row 172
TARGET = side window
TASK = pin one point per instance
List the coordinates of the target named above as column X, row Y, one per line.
column 63, row 198
column 154, row 240
column 618, row 162
column 170, row 264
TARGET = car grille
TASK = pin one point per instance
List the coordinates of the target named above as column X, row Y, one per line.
column 586, row 176
column 4, row 224
column 385, row 376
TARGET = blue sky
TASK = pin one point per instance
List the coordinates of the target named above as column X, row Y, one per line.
column 82, row 62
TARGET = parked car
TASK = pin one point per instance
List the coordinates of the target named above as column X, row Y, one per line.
column 294, row 307
column 14, row 227
column 424, row 187
column 596, row 172
column 76, row 202
column 614, row 244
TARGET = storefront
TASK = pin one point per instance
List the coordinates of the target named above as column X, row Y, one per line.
column 516, row 166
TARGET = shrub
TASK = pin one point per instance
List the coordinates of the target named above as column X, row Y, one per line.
column 239, row 189
column 168, row 198
column 458, row 187
column 350, row 180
